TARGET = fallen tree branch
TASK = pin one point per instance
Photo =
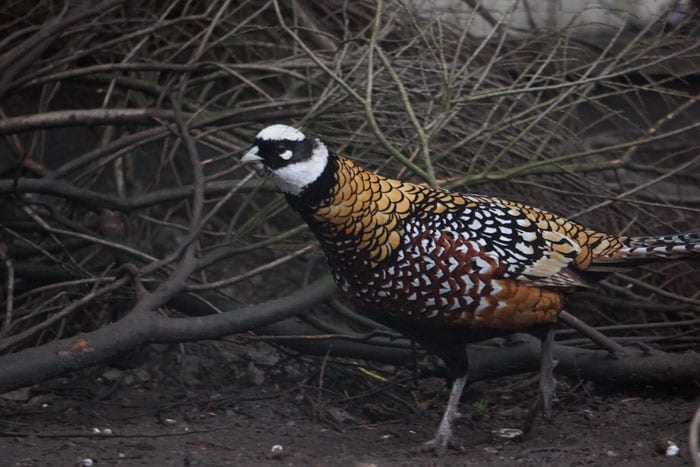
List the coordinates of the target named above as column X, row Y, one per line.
column 141, row 326
column 488, row 360
column 270, row 318
column 630, row 365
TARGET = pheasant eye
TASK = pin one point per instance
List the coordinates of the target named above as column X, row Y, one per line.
column 286, row 155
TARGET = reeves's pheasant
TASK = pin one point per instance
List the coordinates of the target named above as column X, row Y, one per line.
column 443, row 268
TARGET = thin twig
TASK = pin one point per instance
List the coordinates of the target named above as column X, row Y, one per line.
column 604, row 342
column 252, row 272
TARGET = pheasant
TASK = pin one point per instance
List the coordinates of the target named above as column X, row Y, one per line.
column 443, row 268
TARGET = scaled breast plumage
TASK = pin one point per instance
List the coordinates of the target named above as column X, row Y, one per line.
column 428, row 254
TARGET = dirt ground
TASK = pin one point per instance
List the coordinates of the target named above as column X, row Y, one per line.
column 217, row 404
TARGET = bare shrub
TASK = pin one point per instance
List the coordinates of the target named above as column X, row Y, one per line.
column 123, row 198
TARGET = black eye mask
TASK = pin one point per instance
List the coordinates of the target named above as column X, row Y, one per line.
column 270, row 151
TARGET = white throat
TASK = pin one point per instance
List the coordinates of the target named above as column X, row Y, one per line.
column 293, row 178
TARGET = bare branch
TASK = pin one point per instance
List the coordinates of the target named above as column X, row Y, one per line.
column 141, row 326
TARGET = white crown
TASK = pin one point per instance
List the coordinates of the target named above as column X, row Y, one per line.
column 280, row 132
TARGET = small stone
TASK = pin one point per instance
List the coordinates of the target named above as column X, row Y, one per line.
column 666, row 447
column 276, row 451
column 511, row 434
column 340, row 415
column 672, row 450
column 42, row 400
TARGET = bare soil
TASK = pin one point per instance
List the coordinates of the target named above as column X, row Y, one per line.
column 216, row 404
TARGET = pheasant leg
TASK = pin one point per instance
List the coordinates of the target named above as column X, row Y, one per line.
column 443, row 435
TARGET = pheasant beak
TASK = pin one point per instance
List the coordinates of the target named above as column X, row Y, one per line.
column 252, row 156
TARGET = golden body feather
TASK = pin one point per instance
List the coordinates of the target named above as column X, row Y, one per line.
column 371, row 226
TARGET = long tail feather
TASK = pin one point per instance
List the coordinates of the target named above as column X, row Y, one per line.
column 639, row 250
column 666, row 246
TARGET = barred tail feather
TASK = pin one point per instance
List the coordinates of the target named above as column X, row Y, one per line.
column 666, row 246
column 640, row 250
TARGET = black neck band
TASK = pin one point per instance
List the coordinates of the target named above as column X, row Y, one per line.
column 312, row 195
